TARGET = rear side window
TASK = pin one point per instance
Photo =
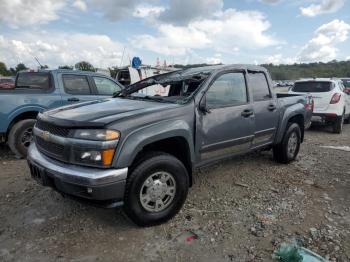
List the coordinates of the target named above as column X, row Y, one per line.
column 259, row 86
column 33, row 80
column 312, row 87
column 76, row 85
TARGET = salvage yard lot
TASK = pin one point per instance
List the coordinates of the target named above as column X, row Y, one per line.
column 238, row 210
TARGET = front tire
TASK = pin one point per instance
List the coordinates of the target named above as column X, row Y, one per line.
column 156, row 189
column 288, row 149
column 20, row 137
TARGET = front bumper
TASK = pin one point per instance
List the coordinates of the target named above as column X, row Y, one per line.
column 83, row 182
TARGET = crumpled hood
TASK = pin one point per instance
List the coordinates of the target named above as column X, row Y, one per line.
column 104, row 111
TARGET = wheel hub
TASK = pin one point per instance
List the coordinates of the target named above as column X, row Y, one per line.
column 158, row 191
column 292, row 144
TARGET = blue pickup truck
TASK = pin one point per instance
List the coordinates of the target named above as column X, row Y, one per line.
column 37, row 91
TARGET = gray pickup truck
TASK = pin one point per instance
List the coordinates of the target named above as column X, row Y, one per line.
column 139, row 150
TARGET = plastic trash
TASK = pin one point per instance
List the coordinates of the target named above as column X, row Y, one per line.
column 293, row 253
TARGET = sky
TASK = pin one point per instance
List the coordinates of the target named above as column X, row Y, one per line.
column 110, row 32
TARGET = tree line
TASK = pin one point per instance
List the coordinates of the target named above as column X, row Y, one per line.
column 278, row 72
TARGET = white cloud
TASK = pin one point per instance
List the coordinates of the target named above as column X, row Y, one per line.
column 143, row 11
column 278, row 59
column 99, row 50
column 348, row 58
column 80, row 5
column 216, row 59
column 115, row 10
column 324, row 7
column 322, row 47
column 18, row 13
column 226, row 32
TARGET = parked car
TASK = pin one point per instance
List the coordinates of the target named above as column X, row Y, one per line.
column 37, row 91
column 7, row 83
column 140, row 150
column 331, row 103
column 346, row 83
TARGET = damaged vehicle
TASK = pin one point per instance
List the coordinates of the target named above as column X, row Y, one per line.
column 140, row 150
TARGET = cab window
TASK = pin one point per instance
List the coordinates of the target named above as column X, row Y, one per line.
column 227, row 90
column 76, row 85
column 105, row 86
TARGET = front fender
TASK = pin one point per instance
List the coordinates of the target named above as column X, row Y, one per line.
column 133, row 143
column 291, row 111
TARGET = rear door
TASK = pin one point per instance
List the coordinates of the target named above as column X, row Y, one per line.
column 76, row 88
column 321, row 92
column 265, row 108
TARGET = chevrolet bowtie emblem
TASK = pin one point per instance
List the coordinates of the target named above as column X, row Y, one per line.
column 45, row 135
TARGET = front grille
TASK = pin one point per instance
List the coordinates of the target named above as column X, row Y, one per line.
column 50, row 148
column 53, row 129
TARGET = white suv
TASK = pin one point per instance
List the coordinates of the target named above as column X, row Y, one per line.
column 331, row 102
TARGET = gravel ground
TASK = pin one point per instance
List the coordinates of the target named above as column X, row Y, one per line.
column 238, row 210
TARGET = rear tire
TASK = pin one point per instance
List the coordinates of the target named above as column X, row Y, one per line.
column 147, row 183
column 288, row 149
column 338, row 125
column 20, row 137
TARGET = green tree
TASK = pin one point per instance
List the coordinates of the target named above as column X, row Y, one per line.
column 3, row 69
column 84, row 66
column 20, row 67
column 66, row 67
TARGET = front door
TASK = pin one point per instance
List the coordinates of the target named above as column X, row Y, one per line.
column 76, row 88
column 227, row 128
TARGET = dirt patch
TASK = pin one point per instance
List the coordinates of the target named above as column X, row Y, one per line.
column 238, row 210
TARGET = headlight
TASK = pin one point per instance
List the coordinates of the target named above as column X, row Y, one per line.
column 94, row 157
column 99, row 148
column 96, row 134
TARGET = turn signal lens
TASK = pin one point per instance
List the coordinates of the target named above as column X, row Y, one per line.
column 107, row 157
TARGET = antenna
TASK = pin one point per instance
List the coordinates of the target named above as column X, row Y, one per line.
column 121, row 61
column 38, row 62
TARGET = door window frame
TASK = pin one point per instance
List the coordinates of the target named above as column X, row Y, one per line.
column 93, row 84
column 244, row 72
column 92, row 92
column 268, row 86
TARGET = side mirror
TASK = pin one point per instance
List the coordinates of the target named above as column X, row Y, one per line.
column 203, row 105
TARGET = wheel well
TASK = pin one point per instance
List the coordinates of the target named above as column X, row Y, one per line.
column 23, row 116
column 298, row 119
column 176, row 146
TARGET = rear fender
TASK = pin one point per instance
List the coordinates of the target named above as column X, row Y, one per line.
column 290, row 112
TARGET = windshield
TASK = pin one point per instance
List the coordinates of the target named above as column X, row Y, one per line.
column 176, row 88
column 346, row 82
column 312, row 87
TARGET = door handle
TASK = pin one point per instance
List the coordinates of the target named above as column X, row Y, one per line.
column 271, row 107
column 73, row 99
column 247, row 113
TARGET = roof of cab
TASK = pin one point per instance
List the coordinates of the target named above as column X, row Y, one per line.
column 64, row 71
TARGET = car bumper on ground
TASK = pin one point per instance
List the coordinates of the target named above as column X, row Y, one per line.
column 101, row 185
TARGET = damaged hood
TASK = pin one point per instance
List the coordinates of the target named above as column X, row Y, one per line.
column 102, row 112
